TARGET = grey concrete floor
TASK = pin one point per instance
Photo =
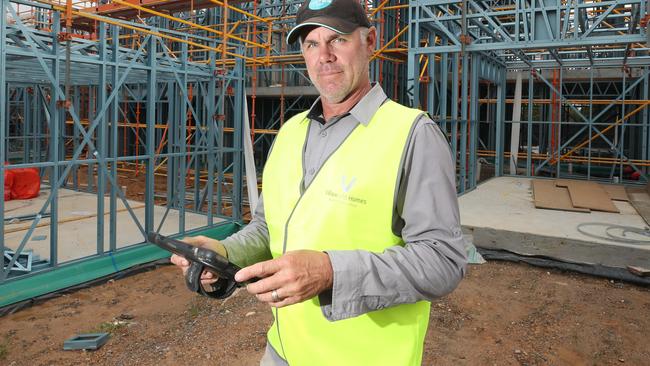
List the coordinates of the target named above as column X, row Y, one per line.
column 500, row 214
column 77, row 225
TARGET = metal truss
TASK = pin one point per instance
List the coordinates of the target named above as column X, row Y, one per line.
column 539, row 33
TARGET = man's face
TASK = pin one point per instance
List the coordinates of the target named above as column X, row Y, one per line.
column 337, row 63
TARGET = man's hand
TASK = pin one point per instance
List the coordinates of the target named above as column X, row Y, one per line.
column 295, row 277
column 207, row 278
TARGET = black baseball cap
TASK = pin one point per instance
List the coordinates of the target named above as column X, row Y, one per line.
column 341, row 16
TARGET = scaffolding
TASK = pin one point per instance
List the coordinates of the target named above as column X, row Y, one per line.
column 102, row 95
column 129, row 106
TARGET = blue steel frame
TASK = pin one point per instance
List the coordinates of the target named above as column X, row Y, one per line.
column 483, row 42
column 33, row 65
column 3, row 114
column 457, row 62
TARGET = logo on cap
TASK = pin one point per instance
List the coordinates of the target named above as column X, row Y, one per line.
column 319, row 4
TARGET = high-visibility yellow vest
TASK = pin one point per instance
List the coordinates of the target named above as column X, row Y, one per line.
column 347, row 206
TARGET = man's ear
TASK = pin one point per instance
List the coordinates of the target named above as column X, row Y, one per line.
column 371, row 40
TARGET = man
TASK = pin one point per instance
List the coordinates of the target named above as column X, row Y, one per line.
column 359, row 223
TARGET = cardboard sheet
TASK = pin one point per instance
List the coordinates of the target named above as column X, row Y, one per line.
column 585, row 194
column 640, row 200
column 547, row 195
column 616, row 192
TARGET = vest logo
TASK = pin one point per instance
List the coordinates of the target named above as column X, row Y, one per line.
column 347, row 186
column 344, row 196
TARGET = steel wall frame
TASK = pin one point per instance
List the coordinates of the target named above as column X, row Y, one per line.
column 456, row 56
column 35, row 62
column 484, row 40
column 3, row 114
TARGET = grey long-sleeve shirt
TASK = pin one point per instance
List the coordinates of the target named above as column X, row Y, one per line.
column 430, row 264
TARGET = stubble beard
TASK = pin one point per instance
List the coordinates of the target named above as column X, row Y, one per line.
column 340, row 90
column 337, row 90
column 334, row 96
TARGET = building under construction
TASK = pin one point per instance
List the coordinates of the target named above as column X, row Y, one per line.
column 158, row 115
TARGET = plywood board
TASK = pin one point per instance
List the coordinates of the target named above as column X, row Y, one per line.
column 589, row 195
column 547, row 195
column 616, row 193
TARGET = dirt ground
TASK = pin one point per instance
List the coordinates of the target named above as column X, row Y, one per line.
column 502, row 314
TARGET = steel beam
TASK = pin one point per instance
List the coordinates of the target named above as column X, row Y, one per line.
column 3, row 116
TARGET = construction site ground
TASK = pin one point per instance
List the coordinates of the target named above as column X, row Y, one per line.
column 502, row 314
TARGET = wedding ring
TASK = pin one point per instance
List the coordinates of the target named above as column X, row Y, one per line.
column 275, row 296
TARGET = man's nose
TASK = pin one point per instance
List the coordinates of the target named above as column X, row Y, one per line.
column 325, row 54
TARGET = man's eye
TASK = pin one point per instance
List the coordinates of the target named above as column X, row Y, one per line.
column 338, row 40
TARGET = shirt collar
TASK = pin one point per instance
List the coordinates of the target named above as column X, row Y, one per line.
column 363, row 111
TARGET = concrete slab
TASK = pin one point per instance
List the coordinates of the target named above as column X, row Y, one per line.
column 500, row 214
column 77, row 224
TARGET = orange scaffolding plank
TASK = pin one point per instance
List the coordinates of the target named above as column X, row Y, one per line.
column 120, row 11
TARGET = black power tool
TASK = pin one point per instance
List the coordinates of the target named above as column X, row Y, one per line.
column 202, row 259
